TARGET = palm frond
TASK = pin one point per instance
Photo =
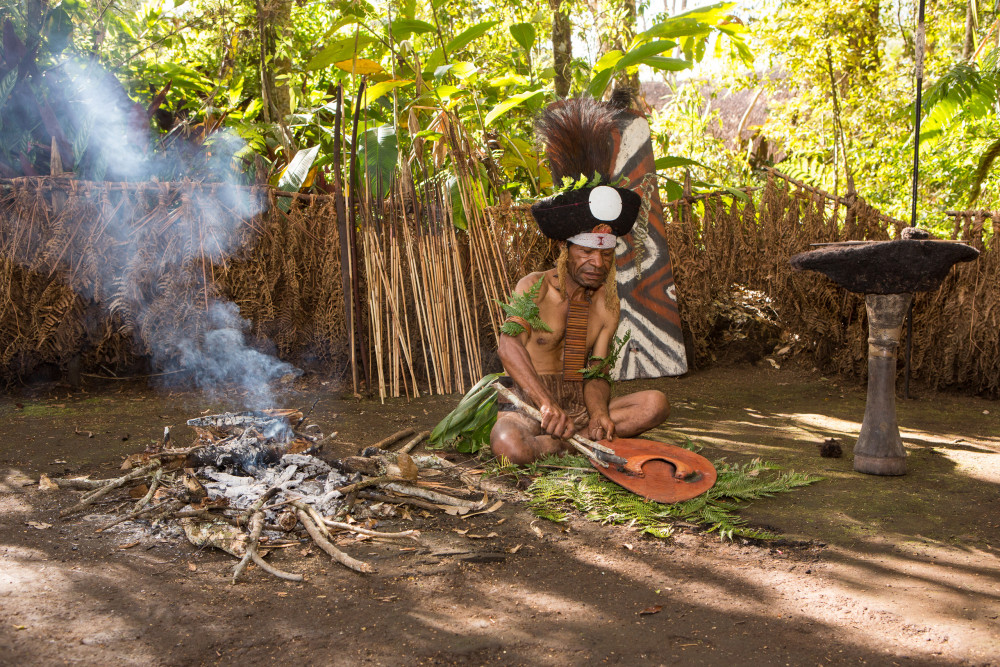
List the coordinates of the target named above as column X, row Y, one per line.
column 963, row 91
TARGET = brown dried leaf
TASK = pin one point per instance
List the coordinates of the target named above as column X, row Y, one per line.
column 514, row 550
column 407, row 468
column 655, row 609
column 493, row 508
column 192, row 567
column 138, row 491
column 39, row 525
column 135, row 460
column 45, row 483
column 130, row 545
column 481, row 537
column 193, row 485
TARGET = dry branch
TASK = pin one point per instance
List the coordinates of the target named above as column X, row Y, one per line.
column 335, row 553
column 110, row 486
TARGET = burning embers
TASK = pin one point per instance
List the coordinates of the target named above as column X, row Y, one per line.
column 251, row 481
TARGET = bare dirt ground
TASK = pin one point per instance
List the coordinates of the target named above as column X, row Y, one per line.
column 870, row 570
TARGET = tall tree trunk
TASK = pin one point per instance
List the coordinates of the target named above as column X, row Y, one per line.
column 617, row 26
column 562, row 47
column 273, row 18
column 969, row 45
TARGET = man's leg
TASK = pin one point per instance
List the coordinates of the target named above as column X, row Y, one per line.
column 638, row 412
column 520, row 439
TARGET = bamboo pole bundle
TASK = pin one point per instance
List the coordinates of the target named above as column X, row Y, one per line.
column 470, row 333
column 430, row 277
column 394, row 305
column 418, row 296
column 439, row 309
column 374, row 302
column 447, row 284
column 397, row 278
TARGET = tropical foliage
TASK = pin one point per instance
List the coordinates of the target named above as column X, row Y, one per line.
column 292, row 92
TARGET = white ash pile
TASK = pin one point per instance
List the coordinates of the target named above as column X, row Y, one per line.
column 243, row 455
column 251, row 482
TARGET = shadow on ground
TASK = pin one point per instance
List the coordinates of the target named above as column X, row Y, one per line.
column 885, row 570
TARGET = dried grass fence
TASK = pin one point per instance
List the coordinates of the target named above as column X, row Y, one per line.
column 719, row 246
column 116, row 277
column 111, row 273
column 426, row 321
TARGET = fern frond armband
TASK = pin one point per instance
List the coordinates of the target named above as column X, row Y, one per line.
column 601, row 370
column 522, row 312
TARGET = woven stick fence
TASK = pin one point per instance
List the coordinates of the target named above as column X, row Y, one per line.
column 720, row 246
column 114, row 274
column 102, row 271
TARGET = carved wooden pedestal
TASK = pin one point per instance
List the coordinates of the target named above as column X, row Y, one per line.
column 880, row 449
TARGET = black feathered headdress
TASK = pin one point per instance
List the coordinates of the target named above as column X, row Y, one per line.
column 579, row 143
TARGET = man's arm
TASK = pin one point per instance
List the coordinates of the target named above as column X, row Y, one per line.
column 517, row 362
column 597, row 391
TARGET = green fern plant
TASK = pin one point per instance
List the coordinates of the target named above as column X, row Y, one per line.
column 602, row 500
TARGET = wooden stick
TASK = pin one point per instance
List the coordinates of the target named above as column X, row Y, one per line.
column 78, row 483
column 256, row 527
column 416, row 502
column 408, row 447
column 153, row 484
column 433, row 496
column 258, row 504
column 270, row 569
column 584, row 445
column 335, row 553
column 137, row 513
column 405, row 535
column 398, row 435
column 90, row 498
column 314, row 514
column 365, row 483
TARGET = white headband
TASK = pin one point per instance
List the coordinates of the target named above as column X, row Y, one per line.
column 600, row 240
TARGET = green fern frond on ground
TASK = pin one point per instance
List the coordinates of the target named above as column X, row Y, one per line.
column 604, row 501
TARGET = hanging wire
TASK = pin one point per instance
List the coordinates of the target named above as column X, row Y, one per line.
column 916, row 174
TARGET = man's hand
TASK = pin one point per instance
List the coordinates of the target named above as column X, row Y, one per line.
column 601, row 427
column 556, row 422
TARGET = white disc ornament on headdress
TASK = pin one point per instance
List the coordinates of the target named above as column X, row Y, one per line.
column 605, row 203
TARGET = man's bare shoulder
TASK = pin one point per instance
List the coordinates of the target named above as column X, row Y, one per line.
column 529, row 281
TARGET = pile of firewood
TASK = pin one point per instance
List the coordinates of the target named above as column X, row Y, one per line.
column 253, row 481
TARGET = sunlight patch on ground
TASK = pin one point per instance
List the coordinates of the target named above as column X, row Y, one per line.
column 853, row 608
column 14, row 481
column 20, row 571
column 12, row 505
column 824, row 422
column 713, row 436
column 977, row 465
column 952, row 597
column 29, row 576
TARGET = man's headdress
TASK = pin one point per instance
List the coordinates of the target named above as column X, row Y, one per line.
column 579, row 143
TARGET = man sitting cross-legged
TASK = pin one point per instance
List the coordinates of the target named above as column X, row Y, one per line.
column 556, row 343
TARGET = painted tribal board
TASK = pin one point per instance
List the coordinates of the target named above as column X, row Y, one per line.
column 645, row 276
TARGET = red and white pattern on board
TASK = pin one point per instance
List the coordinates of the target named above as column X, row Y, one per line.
column 645, row 276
